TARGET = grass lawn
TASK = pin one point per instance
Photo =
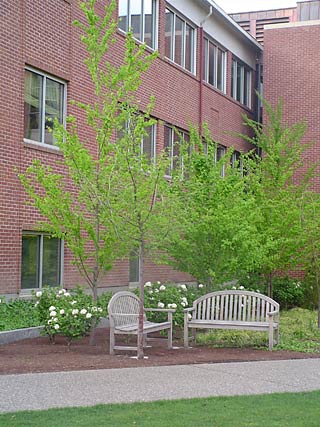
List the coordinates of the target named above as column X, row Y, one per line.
column 275, row 410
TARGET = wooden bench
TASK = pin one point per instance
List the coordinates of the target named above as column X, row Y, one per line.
column 233, row 309
column 123, row 309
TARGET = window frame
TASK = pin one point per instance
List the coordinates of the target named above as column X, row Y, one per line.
column 182, row 134
column 44, row 75
column 40, row 236
column 134, row 258
column 153, row 147
column 172, row 44
column 206, row 65
column 245, row 81
column 155, row 22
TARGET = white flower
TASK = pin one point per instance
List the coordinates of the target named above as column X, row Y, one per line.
column 62, row 291
column 83, row 311
column 156, row 291
column 183, row 304
column 173, row 305
column 73, row 302
column 200, row 285
column 241, row 287
column 95, row 309
column 53, row 313
column 189, row 316
column 147, row 284
column 183, row 287
column 36, row 304
column 99, row 309
column 158, row 283
column 75, row 311
column 258, row 291
column 151, row 292
column 184, row 299
column 52, row 308
column 66, row 294
column 234, row 287
column 162, row 288
column 61, row 311
column 88, row 315
column 38, row 294
column 160, row 304
column 56, row 326
column 55, row 319
column 49, row 321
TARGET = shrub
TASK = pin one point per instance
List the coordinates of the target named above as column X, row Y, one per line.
column 17, row 313
column 177, row 297
column 71, row 314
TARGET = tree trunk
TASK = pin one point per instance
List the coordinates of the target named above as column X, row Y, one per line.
column 92, row 336
column 140, row 353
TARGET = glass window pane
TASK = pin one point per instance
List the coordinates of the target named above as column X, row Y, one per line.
column 178, row 41
column 220, row 69
column 167, row 145
column 54, row 107
column 168, row 34
column 211, row 63
column 135, row 15
column 233, row 79
column 29, row 262
column 33, row 106
column 134, row 265
column 176, row 150
column 123, row 15
column 51, row 257
column 247, row 85
column 206, row 60
column 148, row 143
column 239, row 82
column 149, row 19
column 189, row 48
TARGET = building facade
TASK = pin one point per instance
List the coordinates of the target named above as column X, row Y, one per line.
column 205, row 72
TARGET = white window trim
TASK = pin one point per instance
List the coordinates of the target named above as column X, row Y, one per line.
column 154, row 24
column 194, row 44
column 61, row 272
column 64, row 119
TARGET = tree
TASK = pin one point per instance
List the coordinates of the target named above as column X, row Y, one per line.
column 75, row 203
column 278, row 184
column 214, row 232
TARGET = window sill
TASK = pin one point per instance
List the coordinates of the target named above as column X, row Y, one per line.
column 41, row 147
column 149, row 49
column 180, row 68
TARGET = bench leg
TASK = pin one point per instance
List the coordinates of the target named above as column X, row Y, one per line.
column 194, row 334
column 270, row 338
column 112, row 341
column 186, row 336
column 277, row 336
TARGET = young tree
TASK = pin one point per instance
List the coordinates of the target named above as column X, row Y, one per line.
column 214, row 236
column 278, row 184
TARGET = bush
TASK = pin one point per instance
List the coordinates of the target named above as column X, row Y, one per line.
column 177, row 297
column 289, row 292
column 71, row 314
column 17, row 314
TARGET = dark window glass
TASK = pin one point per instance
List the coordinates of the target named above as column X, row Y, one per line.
column 179, row 38
column 33, row 106
column 123, row 15
column 29, row 263
column 51, row 257
column 168, row 34
column 53, row 108
column 239, row 69
column 135, row 14
column 220, row 69
column 134, row 266
column 149, row 13
column 211, row 63
column 189, row 48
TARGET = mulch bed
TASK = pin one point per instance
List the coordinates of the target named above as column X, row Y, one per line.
column 38, row 355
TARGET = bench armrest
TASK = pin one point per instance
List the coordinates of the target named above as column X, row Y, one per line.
column 272, row 313
column 124, row 314
column 164, row 310
column 188, row 310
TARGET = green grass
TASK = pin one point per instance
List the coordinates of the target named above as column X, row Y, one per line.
column 17, row 314
column 298, row 332
column 275, row 410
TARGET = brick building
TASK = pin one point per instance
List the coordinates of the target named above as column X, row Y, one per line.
column 42, row 69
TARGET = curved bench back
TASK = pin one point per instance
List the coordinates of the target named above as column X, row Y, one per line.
column 123, row 303
column 234, row 305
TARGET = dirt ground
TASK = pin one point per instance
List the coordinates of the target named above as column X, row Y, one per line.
column 38, row 355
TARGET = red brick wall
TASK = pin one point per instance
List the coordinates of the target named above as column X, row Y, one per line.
column 292, row 71
column 39, row 34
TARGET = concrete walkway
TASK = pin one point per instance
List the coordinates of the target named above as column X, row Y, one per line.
column 86, row 388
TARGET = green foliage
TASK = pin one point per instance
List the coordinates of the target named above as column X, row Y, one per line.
column 72, row 314
column 166, row 295
column 298, row 332
column 103, row 301
column 17, row 314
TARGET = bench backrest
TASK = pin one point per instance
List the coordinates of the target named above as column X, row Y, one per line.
column 234, row 305
column 123, row 303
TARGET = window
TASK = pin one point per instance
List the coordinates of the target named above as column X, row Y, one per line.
column 148, row 141
column 134, row 268
column 241, row 83
column 214, row 65
column 220, row 152
column 179, row 41
column 41, row 261
column 141, row 17
column 172, row 139
column 44, row 101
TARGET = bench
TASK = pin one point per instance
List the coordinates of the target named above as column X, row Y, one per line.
column 123, row 310
column 233, row 309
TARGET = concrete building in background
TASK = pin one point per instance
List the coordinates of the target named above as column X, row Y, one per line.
column 205, row 72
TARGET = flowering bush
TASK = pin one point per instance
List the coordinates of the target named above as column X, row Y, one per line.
column 177, row 297
column 71, row 314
